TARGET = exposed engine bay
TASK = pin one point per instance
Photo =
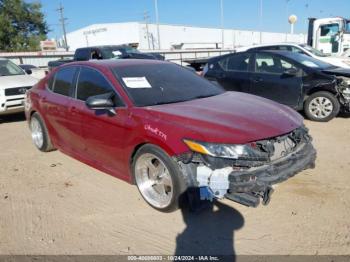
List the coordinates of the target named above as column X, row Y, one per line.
column 248, row 179
column 343, row 88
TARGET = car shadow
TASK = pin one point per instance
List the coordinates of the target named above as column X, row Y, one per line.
column 18, row 117
column 209, row 231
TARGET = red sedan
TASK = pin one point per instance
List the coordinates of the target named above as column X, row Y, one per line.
column 165, row 129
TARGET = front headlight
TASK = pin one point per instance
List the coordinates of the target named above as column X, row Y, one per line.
column 239, row 152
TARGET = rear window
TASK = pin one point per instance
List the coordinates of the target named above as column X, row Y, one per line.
column 163, row 83
column 63, row 81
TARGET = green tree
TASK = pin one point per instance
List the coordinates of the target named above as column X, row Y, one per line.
column 22, row 25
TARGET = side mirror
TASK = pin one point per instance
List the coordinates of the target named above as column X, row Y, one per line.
column 28, row 71
column 101, row 102
column 290, row 72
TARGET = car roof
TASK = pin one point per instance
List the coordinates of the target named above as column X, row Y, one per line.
column 245, row 48
column 118, row 62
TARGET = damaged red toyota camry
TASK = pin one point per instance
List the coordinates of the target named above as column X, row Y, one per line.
column 159, row 126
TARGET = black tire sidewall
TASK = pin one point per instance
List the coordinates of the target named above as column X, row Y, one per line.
column 179, row 185
column 331, row 97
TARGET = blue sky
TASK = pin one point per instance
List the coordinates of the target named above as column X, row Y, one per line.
column 238, row 14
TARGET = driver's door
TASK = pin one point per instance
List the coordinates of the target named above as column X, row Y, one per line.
column 269, row 79
column 103, row 133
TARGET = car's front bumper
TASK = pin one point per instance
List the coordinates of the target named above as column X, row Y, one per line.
column 256, row 184
column 11, row 104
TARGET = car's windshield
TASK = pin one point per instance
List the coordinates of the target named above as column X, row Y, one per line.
column 131, row 50
column 7, row 68
column 118, row 51
column 310, row 61
column 163, row 83
column 314, row 51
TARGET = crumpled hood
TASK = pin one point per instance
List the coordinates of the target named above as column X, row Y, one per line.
column 232, row 117
column 17, row 81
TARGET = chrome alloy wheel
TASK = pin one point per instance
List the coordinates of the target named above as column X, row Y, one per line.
column 321, row 107
column 153, row 180
column 37, row 132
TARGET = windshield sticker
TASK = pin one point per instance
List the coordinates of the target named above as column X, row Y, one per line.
column 136, row 82
column 155, row 131
column 117, row 53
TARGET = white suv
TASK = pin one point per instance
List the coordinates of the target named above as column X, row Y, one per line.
column 14, row 83
column 339, row 61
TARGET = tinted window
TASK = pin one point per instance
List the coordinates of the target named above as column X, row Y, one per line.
column 63, row 81
column 266, row 63
column 163, row 83
column 82, row 54
column 237, row 62
column 91, row 83
column 329, row 30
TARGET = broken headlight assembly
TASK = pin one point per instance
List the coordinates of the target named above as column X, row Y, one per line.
column 236, row 152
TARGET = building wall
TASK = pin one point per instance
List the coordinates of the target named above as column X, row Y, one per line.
column 103, row 34
column 172, row 36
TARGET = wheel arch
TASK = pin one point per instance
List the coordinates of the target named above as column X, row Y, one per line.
column 162, row 145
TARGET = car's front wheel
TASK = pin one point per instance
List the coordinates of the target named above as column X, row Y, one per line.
column 158, row 178
column 321, row 106
column 39, row 133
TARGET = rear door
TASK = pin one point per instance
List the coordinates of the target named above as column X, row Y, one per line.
column 55, row 104
column 232, row 72
column 103, row 133
column 270, row 81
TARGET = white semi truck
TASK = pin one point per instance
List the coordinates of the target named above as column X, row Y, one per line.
column 329, row 35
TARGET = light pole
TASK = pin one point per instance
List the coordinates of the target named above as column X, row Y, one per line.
column 157, row 21
column 260, row 19
column 222, row 24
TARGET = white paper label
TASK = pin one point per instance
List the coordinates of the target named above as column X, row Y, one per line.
column 117, row 53
column 136, row 82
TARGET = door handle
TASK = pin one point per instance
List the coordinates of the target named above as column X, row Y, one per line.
column 257, row 79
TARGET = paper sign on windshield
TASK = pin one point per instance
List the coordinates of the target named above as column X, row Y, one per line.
column 136, row 82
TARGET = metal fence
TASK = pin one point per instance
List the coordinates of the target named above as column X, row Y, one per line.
column 41, row 59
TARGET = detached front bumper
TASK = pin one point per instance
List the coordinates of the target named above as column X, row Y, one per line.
column 248, row 187
column 273, row 173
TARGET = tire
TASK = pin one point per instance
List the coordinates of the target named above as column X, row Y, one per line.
column 162, row 188
column 40, row 136
column 321, row 106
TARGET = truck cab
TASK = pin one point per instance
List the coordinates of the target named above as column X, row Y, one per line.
column 329, row 35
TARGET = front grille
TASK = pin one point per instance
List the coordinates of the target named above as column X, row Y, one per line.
column 16, row 91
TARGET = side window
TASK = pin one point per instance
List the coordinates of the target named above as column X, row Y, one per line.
column 82, row 54
column 329, row 30
column 236, row 62
column 266, row 63
column 63, row 81
column 92, row 83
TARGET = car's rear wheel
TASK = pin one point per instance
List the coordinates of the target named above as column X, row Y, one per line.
column 39, row 134
column 321, row 106
column 158, row 178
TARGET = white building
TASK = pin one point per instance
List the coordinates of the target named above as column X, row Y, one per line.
column 171, row 36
